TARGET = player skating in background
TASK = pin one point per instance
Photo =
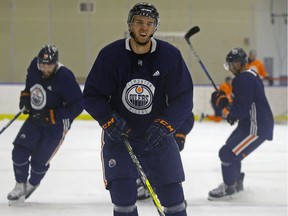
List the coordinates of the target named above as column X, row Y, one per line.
column 256, row 65
column 219, row 113
column 141, row 87
column 52, row 99
column 255, row 122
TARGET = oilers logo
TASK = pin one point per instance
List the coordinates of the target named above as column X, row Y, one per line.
column 38, row 97
column 137, row 96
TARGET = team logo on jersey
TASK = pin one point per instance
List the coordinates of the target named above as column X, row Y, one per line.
column 38, row 97
column 22, row 136
column 137, row 96
column 112, row 163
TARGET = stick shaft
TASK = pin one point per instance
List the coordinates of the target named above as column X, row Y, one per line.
column 143, row 176
column 12, row 120
column 190, row 33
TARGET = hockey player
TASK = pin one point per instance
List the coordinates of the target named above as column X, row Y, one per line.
column 226, row 87
column 141, row 87
column 255, row 122
column 257, row 65
column 52, row 99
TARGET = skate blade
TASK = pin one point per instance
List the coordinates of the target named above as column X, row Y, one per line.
column 30, row 193
column 224, row 198
column 17, row 202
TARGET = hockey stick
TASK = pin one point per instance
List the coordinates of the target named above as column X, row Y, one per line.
column 187, row 36
column 143, row 176
column 12, row 120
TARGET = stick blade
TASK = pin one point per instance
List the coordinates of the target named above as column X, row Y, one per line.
column 191, row 32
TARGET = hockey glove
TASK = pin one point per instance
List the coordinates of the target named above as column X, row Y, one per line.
column 25, row 102
column 230, row 119
column 219, row 99
column 180, row 140
column 44, row 117
column 115, row 126
column 156, row 134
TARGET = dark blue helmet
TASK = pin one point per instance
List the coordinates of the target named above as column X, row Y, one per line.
column 237, row 55
column 144, row 9
column 48, row 55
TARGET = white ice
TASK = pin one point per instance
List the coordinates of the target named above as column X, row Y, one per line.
column 74, row 186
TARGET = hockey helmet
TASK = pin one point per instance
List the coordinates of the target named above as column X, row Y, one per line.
column 144, row 9
column 48, row 55
column 236, row 55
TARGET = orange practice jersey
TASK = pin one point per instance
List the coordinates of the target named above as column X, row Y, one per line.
column 258, row 66
column 227, row 89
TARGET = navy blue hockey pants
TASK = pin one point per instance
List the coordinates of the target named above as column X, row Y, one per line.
column 238, row 146
column 34, row 147
column 163, row 168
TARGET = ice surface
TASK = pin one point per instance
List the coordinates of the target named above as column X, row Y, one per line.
column 74, row 185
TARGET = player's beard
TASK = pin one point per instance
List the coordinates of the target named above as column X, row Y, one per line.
column 138, row 42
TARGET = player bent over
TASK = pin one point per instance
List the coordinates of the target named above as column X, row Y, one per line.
column 52, row 99
column 255, row 122
column 131, row 89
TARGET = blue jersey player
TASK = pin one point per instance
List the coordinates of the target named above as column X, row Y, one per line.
column 52, row 98
column 141, row 87
column 255, row 122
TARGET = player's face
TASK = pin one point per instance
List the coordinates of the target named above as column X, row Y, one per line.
column 47, row 69
column 235, row 68
column 142, row 28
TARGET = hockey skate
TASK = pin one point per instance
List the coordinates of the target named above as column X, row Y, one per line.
column 20, row 192
column 222, row 192
column 239, row 183
column 142, row 192
column 225, row 192
column 17, row 195
column 30, row 189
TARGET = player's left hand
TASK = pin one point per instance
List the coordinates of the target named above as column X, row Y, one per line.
column 230, row 119
column 156, row 133
column 180, row 140
column 219, row 99
column 45, row 117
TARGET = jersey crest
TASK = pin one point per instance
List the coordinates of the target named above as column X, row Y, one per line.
column 137, row 96
column 38, row 97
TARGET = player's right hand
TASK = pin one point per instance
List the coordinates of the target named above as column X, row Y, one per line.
column 115, row 126
column 219, row 99
column 25, row 101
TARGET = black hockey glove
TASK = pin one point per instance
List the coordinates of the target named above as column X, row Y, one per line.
column 44, row 117
column 219, row 99
column 115, row 126
column 230, row 119
column 180, row 140
column 25, row 102
column 156, row 133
